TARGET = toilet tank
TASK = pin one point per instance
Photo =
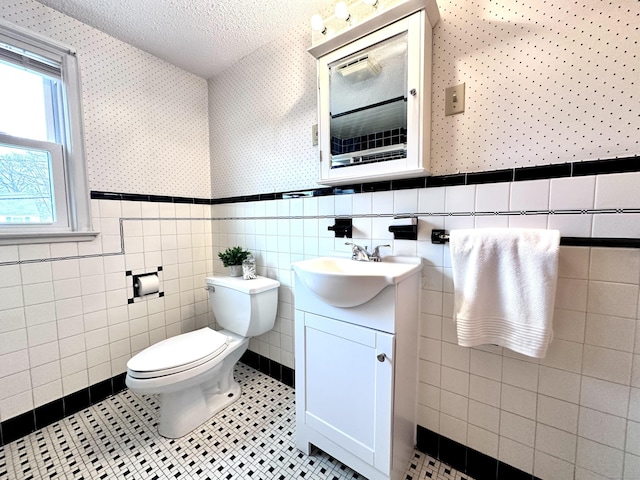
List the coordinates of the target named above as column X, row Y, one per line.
column 245, row 307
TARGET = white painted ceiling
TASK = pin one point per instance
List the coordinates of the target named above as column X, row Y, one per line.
column 204, row 37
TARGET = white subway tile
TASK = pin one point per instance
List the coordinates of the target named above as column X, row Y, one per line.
column 455, row 381
column 37, row 293
column 516, row 454
column 530, row 195
column 633, row 438
column 558, row 413
column 574, row 193
column 571, row 225
column 602, row 427
column 520, row 374
column 616, row 299
column 10, row 276
column 482, row 440
column 12, row 319
column 607, row 364
column 45, row 373
column 604, row 396
column 14, row 362
column 556, row 442
column 599, row 458
column 11, row 297
column 571, row 294
column 460, row 198
column 519, row 401
column 617, row 190
column 624, row 225
column 547, row 466
column 453, row 428
column 454, row 405
column 41, row 313
column 515, row 427
column 610, row 332
column 569, row 325
column 484, row 390
column 564, row 355
column 405, row 201
column 40, row 334
column 484, row 416
column 455, row 356
column 492, row 197
column 615, row 265
column 45, row 353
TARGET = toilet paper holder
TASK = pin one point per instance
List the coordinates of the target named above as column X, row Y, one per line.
column 145, row 284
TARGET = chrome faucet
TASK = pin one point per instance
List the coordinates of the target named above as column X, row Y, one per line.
column 358, row 253
column 361, row 254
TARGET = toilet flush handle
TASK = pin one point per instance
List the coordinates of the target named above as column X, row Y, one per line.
column 210, row 288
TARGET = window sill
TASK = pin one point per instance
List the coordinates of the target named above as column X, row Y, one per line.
column 46, row 237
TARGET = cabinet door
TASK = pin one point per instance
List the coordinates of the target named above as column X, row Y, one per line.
column 371, row 101
column 349, row 387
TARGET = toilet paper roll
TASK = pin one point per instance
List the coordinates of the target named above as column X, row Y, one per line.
column 148, row 284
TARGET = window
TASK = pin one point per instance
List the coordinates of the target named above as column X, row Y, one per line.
column 43, row 188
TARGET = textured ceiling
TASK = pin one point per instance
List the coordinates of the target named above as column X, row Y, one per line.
column 201, row 36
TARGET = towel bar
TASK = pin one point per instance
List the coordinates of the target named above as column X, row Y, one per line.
column 441, row 237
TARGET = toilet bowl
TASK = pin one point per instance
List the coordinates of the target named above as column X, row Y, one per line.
column 193, row 372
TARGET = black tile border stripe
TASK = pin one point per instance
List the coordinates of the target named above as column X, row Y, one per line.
column 465, row 459
column 540, row 172
column 40, row 417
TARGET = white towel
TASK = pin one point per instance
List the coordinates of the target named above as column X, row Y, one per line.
column 504, row 287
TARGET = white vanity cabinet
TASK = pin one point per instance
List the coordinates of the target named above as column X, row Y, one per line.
column 356, row 378
column 374, row 101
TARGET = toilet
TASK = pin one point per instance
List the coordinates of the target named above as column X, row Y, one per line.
column 193, row 372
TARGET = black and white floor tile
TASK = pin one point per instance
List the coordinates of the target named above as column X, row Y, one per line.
column 251, row 439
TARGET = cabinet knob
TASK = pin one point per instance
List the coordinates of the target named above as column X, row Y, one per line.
column 413, row 92
column 381, row 357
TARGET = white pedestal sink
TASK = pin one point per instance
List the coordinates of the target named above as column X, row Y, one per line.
column 343, row 282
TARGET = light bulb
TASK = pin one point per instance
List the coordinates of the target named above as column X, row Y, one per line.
column 317, row 23
column 373, row 3
column 342, row 11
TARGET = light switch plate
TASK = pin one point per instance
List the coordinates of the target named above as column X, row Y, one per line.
column 454, row 100
column 314, row 134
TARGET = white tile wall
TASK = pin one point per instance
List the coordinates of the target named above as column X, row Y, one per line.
column 531, row 414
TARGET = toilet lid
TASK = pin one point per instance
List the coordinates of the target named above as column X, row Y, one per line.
column 178, row 353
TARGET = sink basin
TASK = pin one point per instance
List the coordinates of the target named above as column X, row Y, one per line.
column 343, row 282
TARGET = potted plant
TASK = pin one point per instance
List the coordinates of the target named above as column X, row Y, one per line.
column 233, row 257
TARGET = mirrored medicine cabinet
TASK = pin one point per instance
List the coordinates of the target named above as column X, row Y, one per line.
column 374, row 98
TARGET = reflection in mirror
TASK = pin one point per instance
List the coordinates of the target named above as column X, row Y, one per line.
column 369, row 105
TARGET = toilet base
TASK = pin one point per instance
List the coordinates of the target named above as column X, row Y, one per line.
column 184, row 407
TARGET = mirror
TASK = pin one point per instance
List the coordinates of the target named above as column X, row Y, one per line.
column 368, row 104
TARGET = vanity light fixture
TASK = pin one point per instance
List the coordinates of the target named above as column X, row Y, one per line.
column 342, row 11
column 317, row 24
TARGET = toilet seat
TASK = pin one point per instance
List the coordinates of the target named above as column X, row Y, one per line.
column 177, row 354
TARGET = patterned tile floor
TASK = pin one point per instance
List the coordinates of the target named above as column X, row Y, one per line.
column 251, row 439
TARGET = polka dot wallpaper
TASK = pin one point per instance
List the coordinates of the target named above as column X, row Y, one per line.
column 261, row 113
column 546, row 82
column 146, row 121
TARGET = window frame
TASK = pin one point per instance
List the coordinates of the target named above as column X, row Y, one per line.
column 77, row 195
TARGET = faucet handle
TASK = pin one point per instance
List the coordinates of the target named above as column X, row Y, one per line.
column 376, row 252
